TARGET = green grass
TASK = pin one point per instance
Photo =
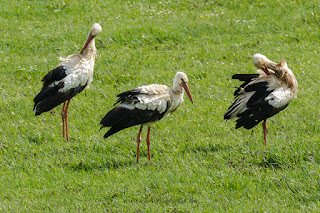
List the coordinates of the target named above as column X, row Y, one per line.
column 200, row 162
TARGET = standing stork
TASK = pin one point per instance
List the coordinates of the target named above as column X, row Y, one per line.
column 262, row 95
column 145, row 105
column 69, row 78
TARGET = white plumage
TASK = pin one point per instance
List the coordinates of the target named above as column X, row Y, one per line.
column 145, row 105
column 262, row 95
column 280, row 97
column 79, row 71
column 154, row 97
column 70, row 77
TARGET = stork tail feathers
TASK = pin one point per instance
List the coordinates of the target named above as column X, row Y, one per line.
column 116, row 119
column 111, row 132
column 44, row 100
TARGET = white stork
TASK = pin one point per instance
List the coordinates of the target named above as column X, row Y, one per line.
column 69, row 78
column 145, row 105
column 262, row 95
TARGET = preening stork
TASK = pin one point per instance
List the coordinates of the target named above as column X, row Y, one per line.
column 145, row 105
column 262, row 95
column 69, row 78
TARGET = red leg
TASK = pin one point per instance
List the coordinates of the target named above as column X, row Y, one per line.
column 63, row 119
column 265, row 130
column 66, row 113
column 138, row 143
column 148, row 143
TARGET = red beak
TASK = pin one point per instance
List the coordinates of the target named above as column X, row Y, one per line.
column 186, row 88
column 90, row 37
column 265, row 69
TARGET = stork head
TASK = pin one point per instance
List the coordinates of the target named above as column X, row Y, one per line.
column 263, row 63
column 181, row 81
column 280, row 70
column 260, row 61
column 94, row 31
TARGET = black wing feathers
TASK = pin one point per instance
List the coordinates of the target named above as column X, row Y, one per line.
column 120, row 118
column 50, row 97
column 46, row 92
column 254, row 115
column 56, row 74
column 126, row 115
column 258, row 109
column 128, row 96
column 260, row 93
column 243, row 77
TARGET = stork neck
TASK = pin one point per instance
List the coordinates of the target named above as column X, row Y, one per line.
column 90, row 50
column 271, row 65
column 177, row 99
column 288, row 77
column 177, row 89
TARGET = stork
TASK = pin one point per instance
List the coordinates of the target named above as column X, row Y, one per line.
column 144, row 106
column 69, row 78
column 262, row 95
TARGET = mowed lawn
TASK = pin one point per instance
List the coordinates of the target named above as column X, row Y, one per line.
column 200, row 163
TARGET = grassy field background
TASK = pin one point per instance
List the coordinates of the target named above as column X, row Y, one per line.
column 200, row 162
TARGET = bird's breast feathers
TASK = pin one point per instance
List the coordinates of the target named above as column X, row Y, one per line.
column 280, row 97
column 281, row 94
column 77, row 64
column 274, row 93
column 79, row 72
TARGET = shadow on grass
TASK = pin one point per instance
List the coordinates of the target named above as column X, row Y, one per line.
column 268, row 159
column 208, row 149
column 35, row 140
column 280, row 160
column 110, row 164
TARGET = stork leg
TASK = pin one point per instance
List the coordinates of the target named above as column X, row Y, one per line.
column 66, row 119
column 138, row 143
column 265, row 130
column 63, row 119
column 148, row 143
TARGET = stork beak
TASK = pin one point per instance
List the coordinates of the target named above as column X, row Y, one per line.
column 186, row 88
column 265, row 69
column 90, row 37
